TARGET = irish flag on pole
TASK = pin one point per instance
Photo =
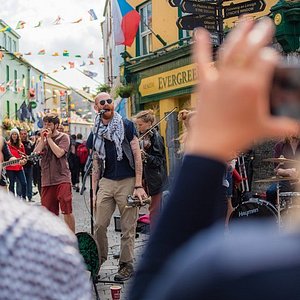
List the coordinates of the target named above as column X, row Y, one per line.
column 125, row 22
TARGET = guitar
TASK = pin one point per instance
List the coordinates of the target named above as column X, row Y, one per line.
column 34, row 157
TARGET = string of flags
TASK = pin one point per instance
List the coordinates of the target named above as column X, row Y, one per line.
column 58, row 21
column 69, row 65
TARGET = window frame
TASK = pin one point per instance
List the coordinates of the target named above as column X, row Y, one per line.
column 146, row 33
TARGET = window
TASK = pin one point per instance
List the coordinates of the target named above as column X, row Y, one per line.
column 9, row 44
column 14, row 46
column 15, row 80
column 145, row 28
column 16, row 109
column 5, row 41
column 7, row 73
column 23, row 86
column 7, row 109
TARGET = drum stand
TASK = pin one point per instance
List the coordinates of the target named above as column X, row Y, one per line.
column 278, row 205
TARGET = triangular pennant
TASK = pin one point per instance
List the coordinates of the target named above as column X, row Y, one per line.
column 92, row 15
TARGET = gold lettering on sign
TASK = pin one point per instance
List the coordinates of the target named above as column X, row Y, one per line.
column 168, row 81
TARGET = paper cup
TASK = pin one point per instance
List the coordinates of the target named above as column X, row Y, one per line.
column 115, row 292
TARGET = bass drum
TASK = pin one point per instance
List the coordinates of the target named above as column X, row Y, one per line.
column 252, row 209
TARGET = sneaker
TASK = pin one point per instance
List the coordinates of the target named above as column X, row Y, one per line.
column 125, row 272
column 77, row 189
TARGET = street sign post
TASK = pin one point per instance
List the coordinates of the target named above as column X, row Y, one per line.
column 191, row 22
column 247, row 7
column 198, row 8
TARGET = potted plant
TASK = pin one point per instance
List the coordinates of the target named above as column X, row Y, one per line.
column 103, row 88
column 124, row 91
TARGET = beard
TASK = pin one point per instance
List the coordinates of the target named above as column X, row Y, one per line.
column 108, row 115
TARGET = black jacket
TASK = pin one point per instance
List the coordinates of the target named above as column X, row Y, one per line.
column 155, row 172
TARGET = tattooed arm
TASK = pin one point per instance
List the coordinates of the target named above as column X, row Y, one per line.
column 136, row 151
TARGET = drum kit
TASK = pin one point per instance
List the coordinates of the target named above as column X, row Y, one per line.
column 287, row 203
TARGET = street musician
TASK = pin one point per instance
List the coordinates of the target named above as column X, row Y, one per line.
column 285, row 151
column 154, row 160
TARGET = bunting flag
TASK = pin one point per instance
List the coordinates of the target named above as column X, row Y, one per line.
column 83, row 64
column 39, row 24
column 20, row 25
column 90, row 74
column 72, row 64
column 55, row 54
column 6, row 28
column 78, row 56
column 66, row 53
column 126, row 21
column 64, row 67
column 77, row 21
column 91, row 63
column 18, row 54
column 101, row 59
column 42, row 52
column 1, row 55
column 28, row 53
column 91, row 55
column 93, row 16
column 57, row 21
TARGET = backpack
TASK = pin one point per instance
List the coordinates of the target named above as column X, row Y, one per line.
column 82, row 153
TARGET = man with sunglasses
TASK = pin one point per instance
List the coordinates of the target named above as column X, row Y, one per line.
column 116, row 143
column 56, row 175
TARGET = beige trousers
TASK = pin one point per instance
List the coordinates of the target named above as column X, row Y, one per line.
column 110, row 194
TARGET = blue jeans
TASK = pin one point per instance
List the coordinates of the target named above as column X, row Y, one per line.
column 13, row 176
column 29, row 179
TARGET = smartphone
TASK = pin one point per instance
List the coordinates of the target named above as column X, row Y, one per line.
column 285, row 91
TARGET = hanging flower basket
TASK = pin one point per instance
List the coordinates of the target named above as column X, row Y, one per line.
column 124, row 91
column 103, row 88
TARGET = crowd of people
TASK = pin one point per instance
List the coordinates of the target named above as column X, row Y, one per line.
column 188, row 255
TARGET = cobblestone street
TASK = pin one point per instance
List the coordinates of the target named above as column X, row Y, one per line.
column 81, row 205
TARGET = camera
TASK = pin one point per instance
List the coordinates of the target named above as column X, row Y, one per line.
column 285, row 91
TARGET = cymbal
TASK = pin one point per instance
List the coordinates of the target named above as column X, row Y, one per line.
column 276, row 179
column 280, row 160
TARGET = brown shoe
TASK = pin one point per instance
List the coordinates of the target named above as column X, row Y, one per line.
column 125, row 272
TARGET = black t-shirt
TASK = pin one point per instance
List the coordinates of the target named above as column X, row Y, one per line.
column 114, row 169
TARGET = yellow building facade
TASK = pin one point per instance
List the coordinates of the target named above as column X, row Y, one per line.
column 160, row 66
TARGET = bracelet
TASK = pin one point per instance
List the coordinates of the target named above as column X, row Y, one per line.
column 138, row 187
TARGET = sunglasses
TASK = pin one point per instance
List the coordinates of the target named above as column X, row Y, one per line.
column 108, row 101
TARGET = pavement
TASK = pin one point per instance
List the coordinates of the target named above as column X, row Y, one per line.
column 81, row 209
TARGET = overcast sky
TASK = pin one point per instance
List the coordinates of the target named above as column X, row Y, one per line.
column 81, row 38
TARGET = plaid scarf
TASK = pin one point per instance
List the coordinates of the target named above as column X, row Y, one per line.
column 114, row 132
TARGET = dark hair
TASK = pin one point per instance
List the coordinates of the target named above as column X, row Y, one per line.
column 51, row 118
column 79, row 136
column 18, row 140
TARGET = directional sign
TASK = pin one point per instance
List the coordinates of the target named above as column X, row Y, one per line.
column 191, row 22
column 174, row 3
column 198, row 8
column 247, row 7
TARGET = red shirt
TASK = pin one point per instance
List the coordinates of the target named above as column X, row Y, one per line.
column 15, row 152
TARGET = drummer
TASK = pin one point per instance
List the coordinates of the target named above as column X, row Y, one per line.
column 289, row 148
